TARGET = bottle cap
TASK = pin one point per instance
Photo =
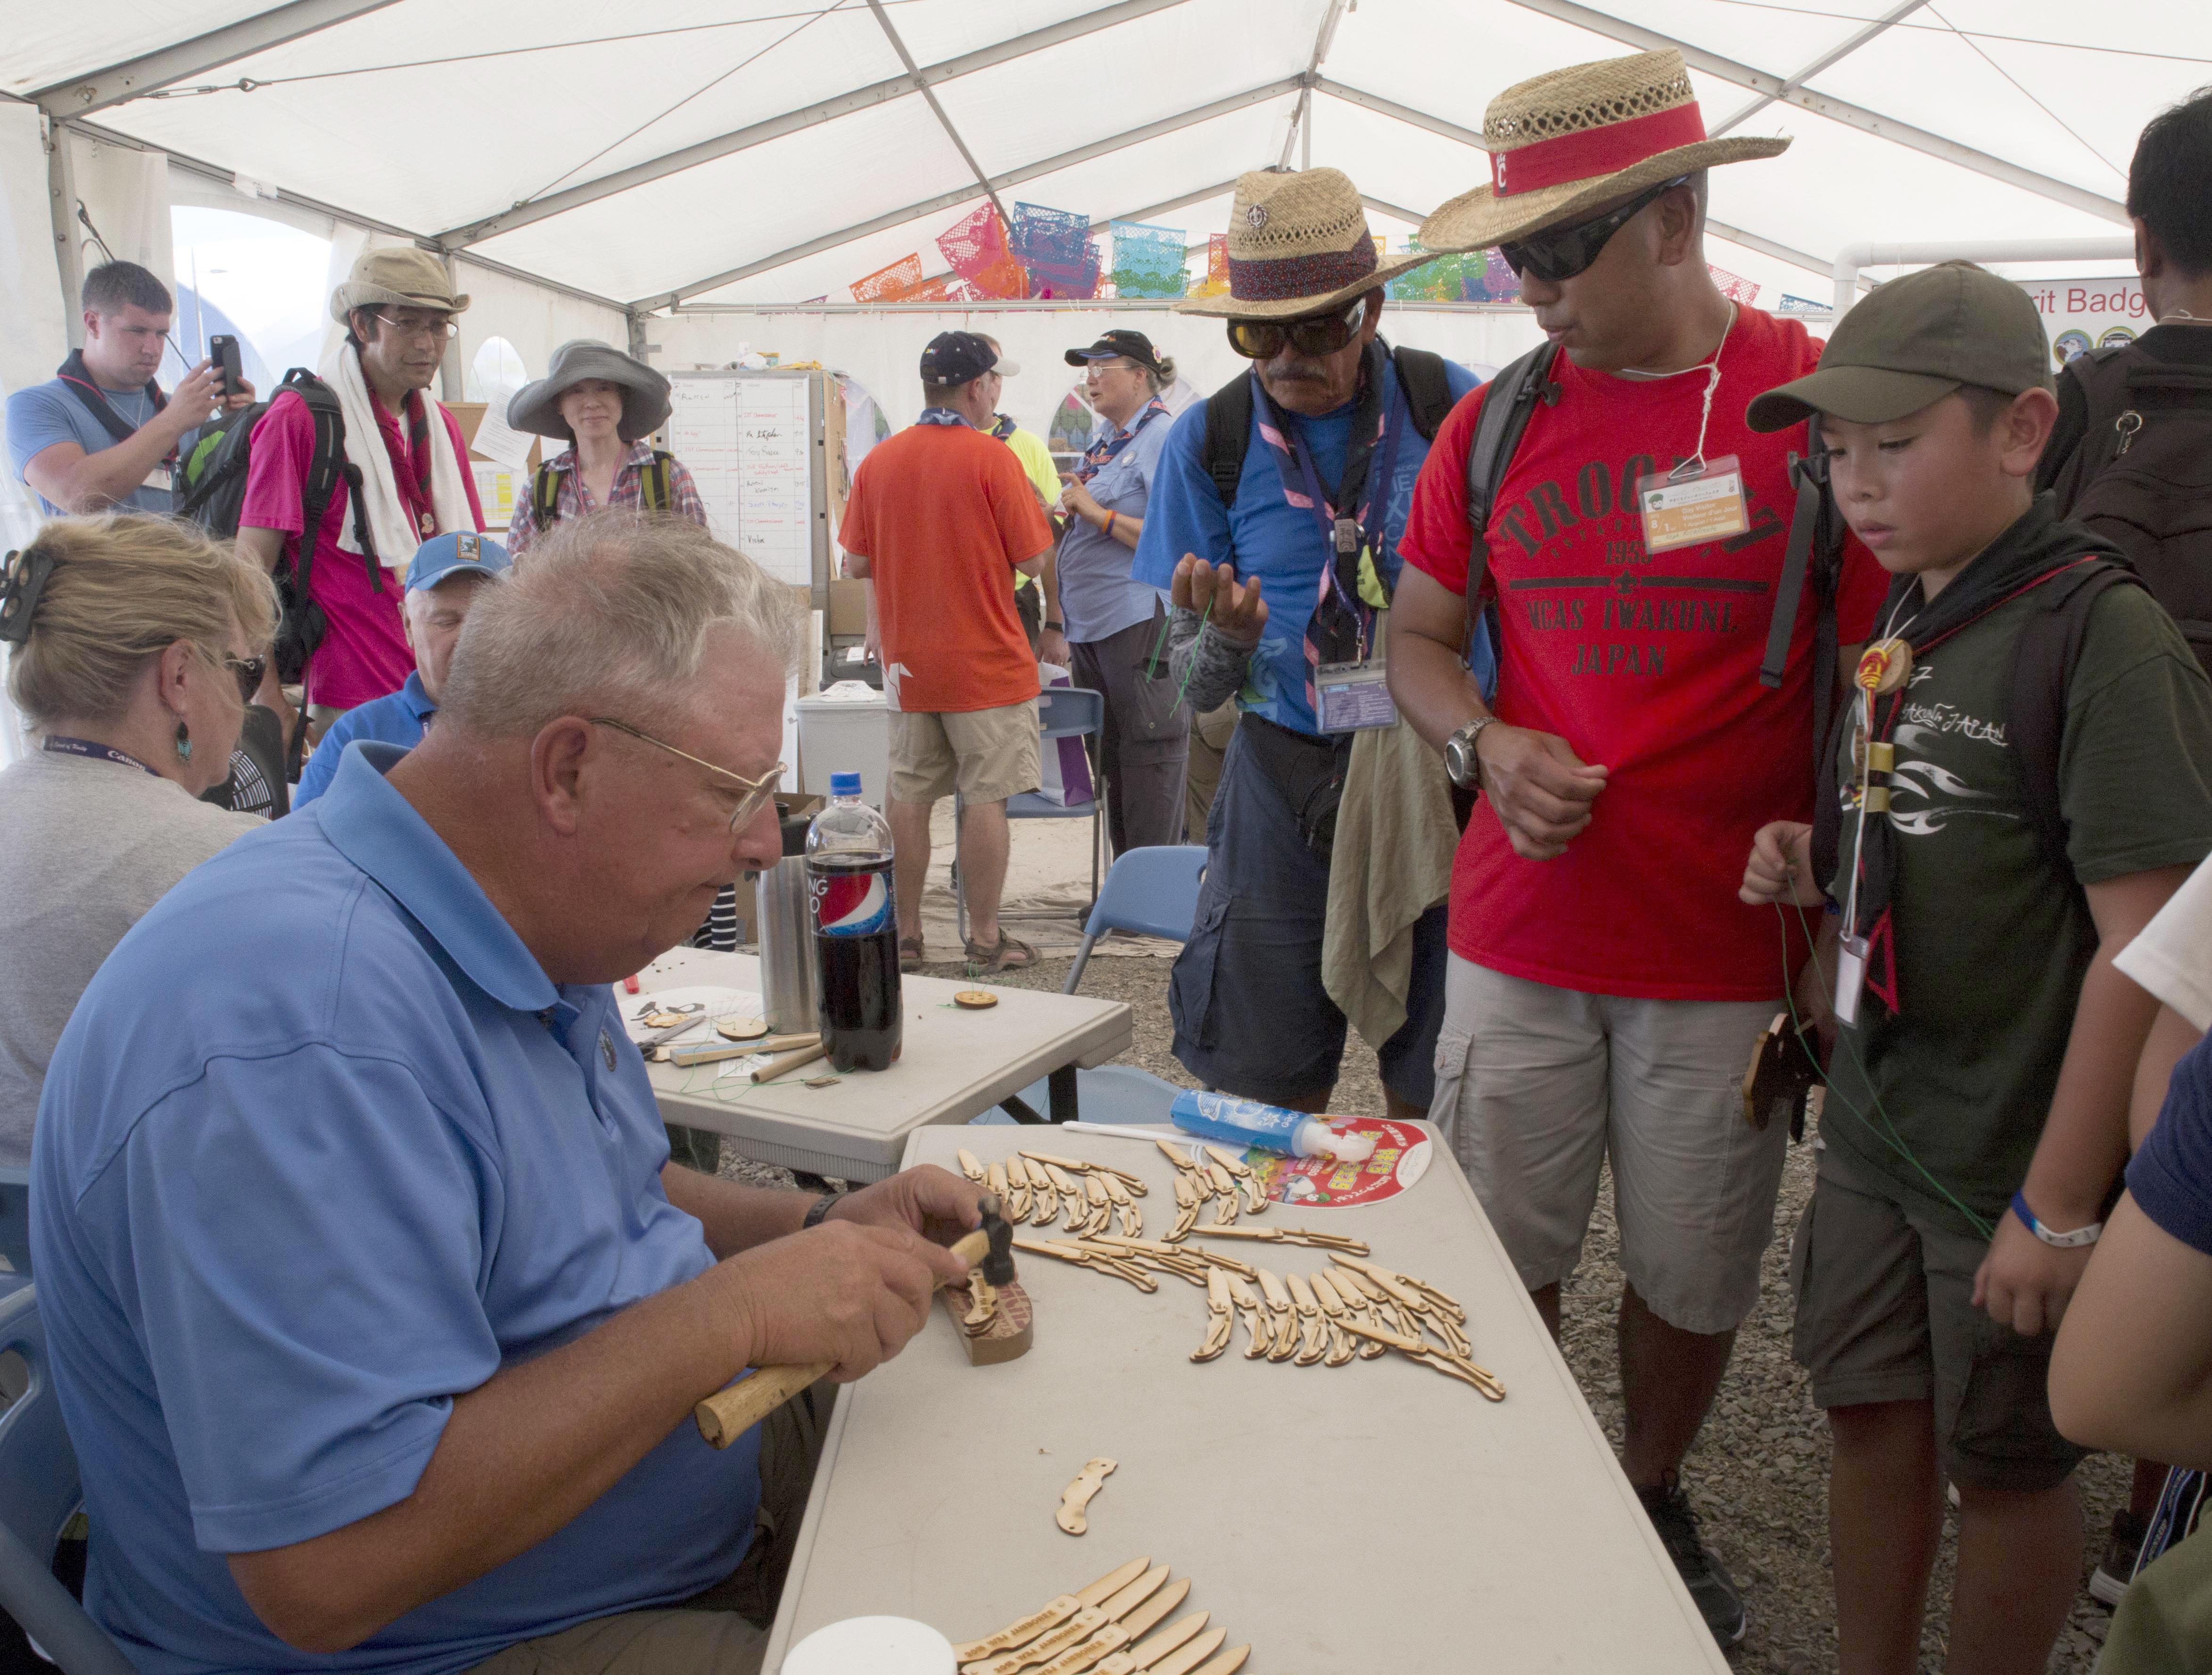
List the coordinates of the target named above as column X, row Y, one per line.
column 844, row 785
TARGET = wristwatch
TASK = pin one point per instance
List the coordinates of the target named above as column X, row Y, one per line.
column 2064, row 1241
column 1056, row 628
column 1461, row 762
column 818, row 1209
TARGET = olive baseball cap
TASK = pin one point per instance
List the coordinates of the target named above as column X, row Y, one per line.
column 1913, row 342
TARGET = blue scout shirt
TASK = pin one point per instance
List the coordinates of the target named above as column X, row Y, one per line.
column 398, row 720
column 41, row 415
column 323, row 1146
column 1272, row 539
column 1097, row 595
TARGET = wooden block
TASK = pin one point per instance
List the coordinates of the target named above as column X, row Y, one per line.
column 1004, row 1334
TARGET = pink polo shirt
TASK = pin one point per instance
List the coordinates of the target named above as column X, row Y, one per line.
column 365, row 653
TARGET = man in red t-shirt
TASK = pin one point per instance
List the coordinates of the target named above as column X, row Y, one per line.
column 1606, row 988
column 398, row 308
column 939, row 518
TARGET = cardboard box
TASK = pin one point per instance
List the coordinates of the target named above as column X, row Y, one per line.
column 849, row 608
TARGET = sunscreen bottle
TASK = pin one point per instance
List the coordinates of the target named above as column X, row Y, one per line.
column 1250, row 1122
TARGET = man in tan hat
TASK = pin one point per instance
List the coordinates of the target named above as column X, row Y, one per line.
column 1274, row 514
column 1605, row 985
column 412, row 471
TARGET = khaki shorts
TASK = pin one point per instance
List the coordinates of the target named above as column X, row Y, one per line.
column 986, row 755
column 1885, row 1313
column 1536, row 1086
column 723, row 1631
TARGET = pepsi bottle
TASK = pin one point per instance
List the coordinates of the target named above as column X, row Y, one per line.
column 848, row 873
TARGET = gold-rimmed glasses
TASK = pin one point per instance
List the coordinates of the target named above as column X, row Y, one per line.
column 756, row 792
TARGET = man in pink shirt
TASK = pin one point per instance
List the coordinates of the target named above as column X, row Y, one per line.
column 402, row 479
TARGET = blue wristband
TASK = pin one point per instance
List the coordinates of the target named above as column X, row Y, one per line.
column 2064, row 1241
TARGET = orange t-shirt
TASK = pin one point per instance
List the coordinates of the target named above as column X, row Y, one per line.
column 943, row 513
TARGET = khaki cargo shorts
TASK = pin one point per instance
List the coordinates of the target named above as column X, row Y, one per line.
column 988, row 755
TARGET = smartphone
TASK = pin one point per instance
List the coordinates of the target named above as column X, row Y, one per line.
column 223, row 352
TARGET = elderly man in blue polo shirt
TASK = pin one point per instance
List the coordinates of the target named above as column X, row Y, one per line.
column 443, row 579
column 377, row 1313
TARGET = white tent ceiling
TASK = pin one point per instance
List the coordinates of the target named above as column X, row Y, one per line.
column 775, row 150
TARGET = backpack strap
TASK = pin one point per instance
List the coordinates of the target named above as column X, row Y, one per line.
column 327, row 466
column 1228, row 433
column 1428, row 392
column 1498, row 428
column 1814, row 554
column 2043, row 661
column 545, row 497
column 653, row 484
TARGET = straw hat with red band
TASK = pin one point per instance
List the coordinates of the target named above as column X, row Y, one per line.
column 1567, row 142
column 1298, row 245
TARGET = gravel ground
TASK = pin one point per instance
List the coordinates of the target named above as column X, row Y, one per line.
column 1758, row 1472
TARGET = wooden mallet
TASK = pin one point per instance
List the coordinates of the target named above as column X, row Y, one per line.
column 728, row 1414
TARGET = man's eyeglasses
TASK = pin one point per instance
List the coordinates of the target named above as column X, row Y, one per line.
column 248, row 672
column 756, row 792
column 443, row 327
column 1560, row 253
column 1316, row 334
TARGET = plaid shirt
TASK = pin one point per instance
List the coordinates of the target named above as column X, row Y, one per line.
column 572, row 500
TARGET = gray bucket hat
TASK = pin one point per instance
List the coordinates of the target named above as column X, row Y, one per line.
column 535, row 408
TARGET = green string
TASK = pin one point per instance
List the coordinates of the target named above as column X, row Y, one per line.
column 1204, row 619
column 1887, row 1133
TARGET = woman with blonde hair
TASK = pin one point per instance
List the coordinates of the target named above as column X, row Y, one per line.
column 134, row 643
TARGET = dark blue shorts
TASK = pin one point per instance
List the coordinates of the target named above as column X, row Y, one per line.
column 1250, row 1014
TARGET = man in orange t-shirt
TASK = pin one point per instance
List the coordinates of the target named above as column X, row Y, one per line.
column 939, row 515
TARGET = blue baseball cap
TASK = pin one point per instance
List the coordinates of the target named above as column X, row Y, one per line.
column 443, row 556
column 956, row 357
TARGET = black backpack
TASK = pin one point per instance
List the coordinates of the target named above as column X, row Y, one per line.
column 2142, row 477
column 656, row 492
column 213, row 494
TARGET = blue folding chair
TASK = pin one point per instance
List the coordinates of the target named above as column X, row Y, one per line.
column 15, row 1219
column 39, row 1495
column 1063, row 712
column 1153, row 892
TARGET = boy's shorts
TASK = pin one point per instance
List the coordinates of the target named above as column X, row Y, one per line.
column 1885, row 1313
column 988, row 755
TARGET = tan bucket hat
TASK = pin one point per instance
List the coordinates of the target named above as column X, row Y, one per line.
column 1298, row 244
column 1565, row 142
column 400, row 275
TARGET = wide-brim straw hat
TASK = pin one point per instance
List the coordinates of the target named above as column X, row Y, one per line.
column 1565, row 142
column 1299, row 244
column 535, row 408
column 397, row 277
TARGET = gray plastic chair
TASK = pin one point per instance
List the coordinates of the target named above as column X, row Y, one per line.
column 15, row 1218
column 39, row 1495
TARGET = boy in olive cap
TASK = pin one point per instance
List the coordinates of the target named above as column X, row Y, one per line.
column 2017, row 785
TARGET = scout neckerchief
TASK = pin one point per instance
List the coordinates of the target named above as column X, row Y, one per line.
column 1342, row 627
column 1002, row 426
column 73, row 373
column 410, row 471
column 1102, row 453
column 939, row 415
column 2033, row 552
column 98, row 752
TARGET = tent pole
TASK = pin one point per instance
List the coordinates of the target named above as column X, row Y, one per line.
column 1853, row 256
column 61, row 196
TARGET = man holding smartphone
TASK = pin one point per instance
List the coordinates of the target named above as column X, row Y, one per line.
column 101, row 436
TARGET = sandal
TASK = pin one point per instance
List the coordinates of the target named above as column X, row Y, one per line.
column 911, row 957
column 1012, row 954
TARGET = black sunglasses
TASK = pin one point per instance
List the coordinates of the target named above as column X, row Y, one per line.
column 248, row 671
column 1314, row 334
column 1561, row 252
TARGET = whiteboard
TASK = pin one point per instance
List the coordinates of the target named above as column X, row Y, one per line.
column 748, row 440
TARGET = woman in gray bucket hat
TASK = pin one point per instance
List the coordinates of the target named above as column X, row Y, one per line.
column 605, row 405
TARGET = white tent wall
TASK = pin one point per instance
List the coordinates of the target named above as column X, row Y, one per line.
column 124, row 191
column 535, row 320
column 881, row 347
column 37, row 337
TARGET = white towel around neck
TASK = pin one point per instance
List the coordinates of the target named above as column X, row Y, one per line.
column 389, row 526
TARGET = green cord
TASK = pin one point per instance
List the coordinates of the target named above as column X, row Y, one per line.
column 1887, row 1133
column 1154, row 659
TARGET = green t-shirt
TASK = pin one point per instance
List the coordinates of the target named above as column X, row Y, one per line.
column 1991, row 941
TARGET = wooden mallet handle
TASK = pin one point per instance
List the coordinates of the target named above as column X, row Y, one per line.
column 728, row 1414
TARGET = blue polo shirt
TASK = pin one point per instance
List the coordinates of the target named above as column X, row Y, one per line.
column 1097, row 595
column 40, row 415
column 398, row 720
column 1267, row 537
column 322, row 1148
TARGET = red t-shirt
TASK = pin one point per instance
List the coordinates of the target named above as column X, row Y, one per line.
column 365, row 653
column 1648, row 665
column 943, row 513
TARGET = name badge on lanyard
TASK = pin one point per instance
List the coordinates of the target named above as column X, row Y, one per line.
column 1353, row 697
column 160, row 478
column 1851, row 978
column 1693, row 503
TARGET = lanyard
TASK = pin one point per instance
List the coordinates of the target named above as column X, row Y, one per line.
column 1099, row 455
column 98, row 752
column 75, row 373
column 1696, row 464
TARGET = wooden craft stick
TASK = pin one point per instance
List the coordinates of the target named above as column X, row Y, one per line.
column 1073, row 1515
column 1227, row 1663
column 683, row 1058
column 1026, row 1629
column 1275, row 1235
column 728, row 1414
column 790, row 1060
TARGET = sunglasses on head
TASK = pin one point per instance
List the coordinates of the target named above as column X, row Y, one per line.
column 1316, row 334
column 248, row 671
column 1561, row 252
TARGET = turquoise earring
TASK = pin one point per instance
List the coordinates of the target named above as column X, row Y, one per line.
column 184, row 743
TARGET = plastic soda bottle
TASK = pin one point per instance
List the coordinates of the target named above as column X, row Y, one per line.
column 849, row 874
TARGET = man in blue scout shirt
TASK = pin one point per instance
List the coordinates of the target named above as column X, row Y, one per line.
column 377, row 1311
column 1332, row 446
column 100, row 437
